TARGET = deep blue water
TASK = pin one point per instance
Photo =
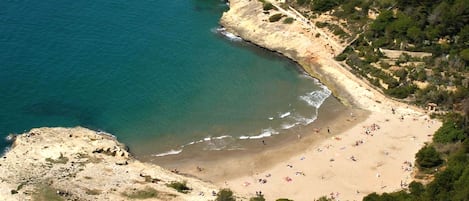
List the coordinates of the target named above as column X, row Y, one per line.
column 154, row 73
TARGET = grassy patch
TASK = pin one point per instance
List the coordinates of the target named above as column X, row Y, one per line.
column 93, row 191
column 61, row 160
column 46, row 193
column 142, row 194
column 180, row 186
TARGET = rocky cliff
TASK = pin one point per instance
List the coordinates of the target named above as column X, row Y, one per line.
column 81, row 164
column 300, row 41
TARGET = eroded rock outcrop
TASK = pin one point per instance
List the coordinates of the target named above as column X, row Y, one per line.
column 81, row 164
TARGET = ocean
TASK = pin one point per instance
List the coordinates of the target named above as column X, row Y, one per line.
column 159, row 75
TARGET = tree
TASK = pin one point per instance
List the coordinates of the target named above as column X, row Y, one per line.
column 225, row 195
column 464, row 54
column 428, row 157
column 323, row 5
column 379, row 25
column 414, row 33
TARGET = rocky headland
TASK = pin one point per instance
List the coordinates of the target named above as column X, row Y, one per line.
column 81, row 164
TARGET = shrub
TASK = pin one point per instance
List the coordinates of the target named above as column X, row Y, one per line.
column 341, row 57
column 180, row 186
column 257, row 198
column 268, row 6
column 283, row 199
column 321, row 24
column 288, row 20
column 275, row 17
column 401, row 91
column 449, row 132
column 225, row 195
column 61, row 159
column 142, row 194
column 323, row 5
column 428, row 157
column 303, row 2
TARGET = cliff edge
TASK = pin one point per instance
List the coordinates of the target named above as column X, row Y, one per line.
column 303, row 42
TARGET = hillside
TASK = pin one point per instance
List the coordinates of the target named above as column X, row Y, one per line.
column 429, row 40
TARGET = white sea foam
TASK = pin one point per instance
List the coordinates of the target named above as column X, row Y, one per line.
column 286, row 114
column 271, row 118
column 305, row 121
column 288, row 126
column 222, row 137
column 316, row 98
column 10, row 137
column 265, row 133
column 171, row 152
column 227, row 34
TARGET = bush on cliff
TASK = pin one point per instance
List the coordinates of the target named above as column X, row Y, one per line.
column 275, row 17
column 268, row 6
column 288, row 20
column 225, row 195
column 180, row 186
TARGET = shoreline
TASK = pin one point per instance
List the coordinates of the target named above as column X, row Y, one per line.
column 246, row 19
column 362, row 147
column 276, row 149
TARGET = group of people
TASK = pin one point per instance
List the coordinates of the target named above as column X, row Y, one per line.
column 407, row 166
column 373, row 127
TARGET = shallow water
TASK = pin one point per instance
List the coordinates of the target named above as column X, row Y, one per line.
column 157, row 75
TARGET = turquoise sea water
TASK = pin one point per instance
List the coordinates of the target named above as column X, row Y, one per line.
column 157, row 74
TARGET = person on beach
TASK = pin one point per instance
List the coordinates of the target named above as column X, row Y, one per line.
column 328, row 130
column 263, row 142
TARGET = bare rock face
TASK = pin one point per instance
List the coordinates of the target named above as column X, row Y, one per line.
column 81, row 164
column 300, row 40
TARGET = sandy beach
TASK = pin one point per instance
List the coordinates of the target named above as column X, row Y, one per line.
column 370, row 153
column 376, row 155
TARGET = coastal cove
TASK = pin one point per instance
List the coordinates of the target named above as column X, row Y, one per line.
column 255, row 123
column 155, row 80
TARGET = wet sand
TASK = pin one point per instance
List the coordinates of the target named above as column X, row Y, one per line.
column 260, row 154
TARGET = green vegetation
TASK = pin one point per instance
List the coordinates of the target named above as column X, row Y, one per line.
column 428, row 157
column 323, row 5
column 275, row 17
column 61, row 160
column 257, row 198
column 268, row 6
column 46, row 193
column 428, row 66
column 451, row 131
column 142, row 194
column 93, row 191
column 288, row 20
column 438, row 27
column 180, row 186
column 324, row 198
column 225, row 195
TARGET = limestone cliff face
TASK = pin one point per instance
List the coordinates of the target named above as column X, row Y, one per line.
column 300, row 41
column 81, row 164
column 248, row 20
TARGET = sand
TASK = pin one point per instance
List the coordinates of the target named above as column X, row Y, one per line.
column 350, row 163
